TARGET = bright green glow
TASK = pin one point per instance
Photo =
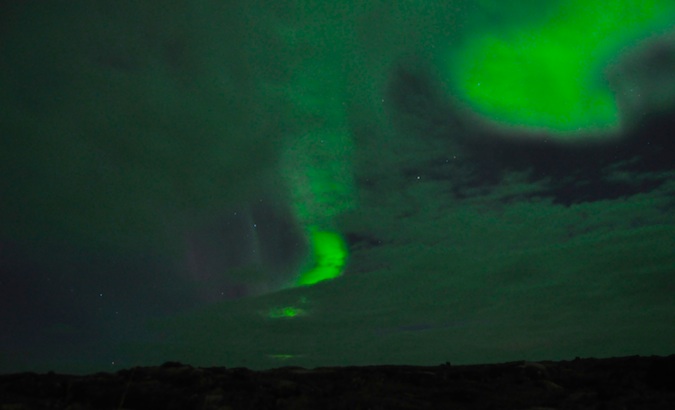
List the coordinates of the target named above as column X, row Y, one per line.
column 317, row 161
column 549, row 74
column 285, row 312
column 288, row 312
column 330, row 254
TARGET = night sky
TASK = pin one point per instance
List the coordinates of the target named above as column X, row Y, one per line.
column 234, row 183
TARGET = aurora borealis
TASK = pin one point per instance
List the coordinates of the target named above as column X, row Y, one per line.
column 549, row 73
column 245, row 184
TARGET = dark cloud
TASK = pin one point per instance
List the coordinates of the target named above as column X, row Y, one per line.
column 577, row 168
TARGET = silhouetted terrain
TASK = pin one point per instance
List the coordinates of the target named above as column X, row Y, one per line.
column 617, row 383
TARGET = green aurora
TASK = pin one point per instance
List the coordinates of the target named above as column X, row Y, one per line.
column 545, row 74
column 163, row 123
column 550, row 73
column 330, row 253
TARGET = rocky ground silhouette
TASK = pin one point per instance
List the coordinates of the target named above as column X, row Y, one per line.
column 615, row 383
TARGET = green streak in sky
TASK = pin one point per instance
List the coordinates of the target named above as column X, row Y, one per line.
column 285, row 312
column 550, row 74
column 330, row 254
column 317, row 167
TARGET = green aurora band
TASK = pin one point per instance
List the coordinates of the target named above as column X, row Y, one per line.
column 284, row 312
column 317, row 165
column 287, row 312
column 549, row 74
column 330, row 253
column 544, row 72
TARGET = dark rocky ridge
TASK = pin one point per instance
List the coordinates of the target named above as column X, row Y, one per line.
column 616, row 383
